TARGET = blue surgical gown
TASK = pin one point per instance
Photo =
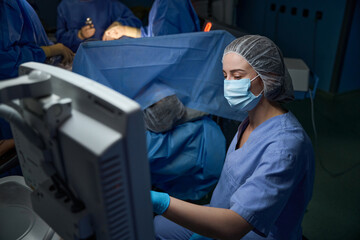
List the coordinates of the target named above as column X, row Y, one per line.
column 186, row 162
column 171, row 17
column 21, row 35
column 269, row 180
column 72, row 15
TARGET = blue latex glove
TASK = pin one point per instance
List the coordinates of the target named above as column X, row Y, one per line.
column 160, row 202
column 196, row 236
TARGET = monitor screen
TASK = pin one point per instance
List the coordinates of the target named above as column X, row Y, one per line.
column 82, row 150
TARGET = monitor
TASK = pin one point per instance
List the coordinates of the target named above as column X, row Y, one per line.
column 82, row 149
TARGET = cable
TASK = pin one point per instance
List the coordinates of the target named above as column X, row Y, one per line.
column 14, row 117
column 322, row 165
column 313, row 115
column 338, row 174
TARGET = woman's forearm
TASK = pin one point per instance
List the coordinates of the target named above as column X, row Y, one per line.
column 208, row 221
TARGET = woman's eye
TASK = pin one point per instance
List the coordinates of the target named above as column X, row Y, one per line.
column 237, row 77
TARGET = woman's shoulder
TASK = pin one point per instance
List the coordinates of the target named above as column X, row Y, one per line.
column 291, row 127
column 283, row 124
column 285, row 133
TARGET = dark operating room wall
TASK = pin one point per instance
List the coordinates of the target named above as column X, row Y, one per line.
column 308, row 29
column 135, row 3
column 350, row 74
column 46, row 10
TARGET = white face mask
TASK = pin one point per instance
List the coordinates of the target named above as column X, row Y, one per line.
column 238, row 94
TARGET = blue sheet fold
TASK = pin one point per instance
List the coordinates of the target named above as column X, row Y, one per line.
column 149, row 69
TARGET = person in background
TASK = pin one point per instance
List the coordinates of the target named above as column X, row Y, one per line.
column 166, row 17
column 22, row 39
column 186, row 149
column 82, row 20
column 267, row 179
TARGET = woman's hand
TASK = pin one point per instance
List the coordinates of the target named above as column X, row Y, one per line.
column 160, row 202
column 207, row 221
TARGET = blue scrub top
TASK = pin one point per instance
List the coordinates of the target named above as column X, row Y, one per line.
column 186, row 162
column 171, row 17
column 269, row 180
column 72, row 15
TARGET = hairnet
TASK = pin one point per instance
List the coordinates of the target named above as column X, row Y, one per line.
column 164, row 114
column 266, row 59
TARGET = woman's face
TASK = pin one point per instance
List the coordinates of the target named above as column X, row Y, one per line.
column 235, row 67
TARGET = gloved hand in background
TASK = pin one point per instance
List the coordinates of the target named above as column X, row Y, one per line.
column 160, row 201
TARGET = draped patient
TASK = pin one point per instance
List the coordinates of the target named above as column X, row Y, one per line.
column 186, row 149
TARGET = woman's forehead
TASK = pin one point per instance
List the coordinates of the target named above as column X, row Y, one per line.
column 233, row 61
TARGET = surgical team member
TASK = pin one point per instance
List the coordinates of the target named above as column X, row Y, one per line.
column 267, row 179
column 186, row 149
column 72, row 15
column 23, row 39
column 166, row 17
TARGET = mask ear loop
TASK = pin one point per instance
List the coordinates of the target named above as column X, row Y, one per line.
column 263, row 87
column 254, row 78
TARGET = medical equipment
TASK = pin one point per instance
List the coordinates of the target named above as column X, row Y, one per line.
column 17, row 218
column 302, row 79
column 299, row 73
column 88, row 21
column 81, row 147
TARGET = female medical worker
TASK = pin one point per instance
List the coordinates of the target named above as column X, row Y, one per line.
column 267, row 178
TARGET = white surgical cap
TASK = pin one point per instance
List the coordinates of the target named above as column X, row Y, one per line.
column 266, row 59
